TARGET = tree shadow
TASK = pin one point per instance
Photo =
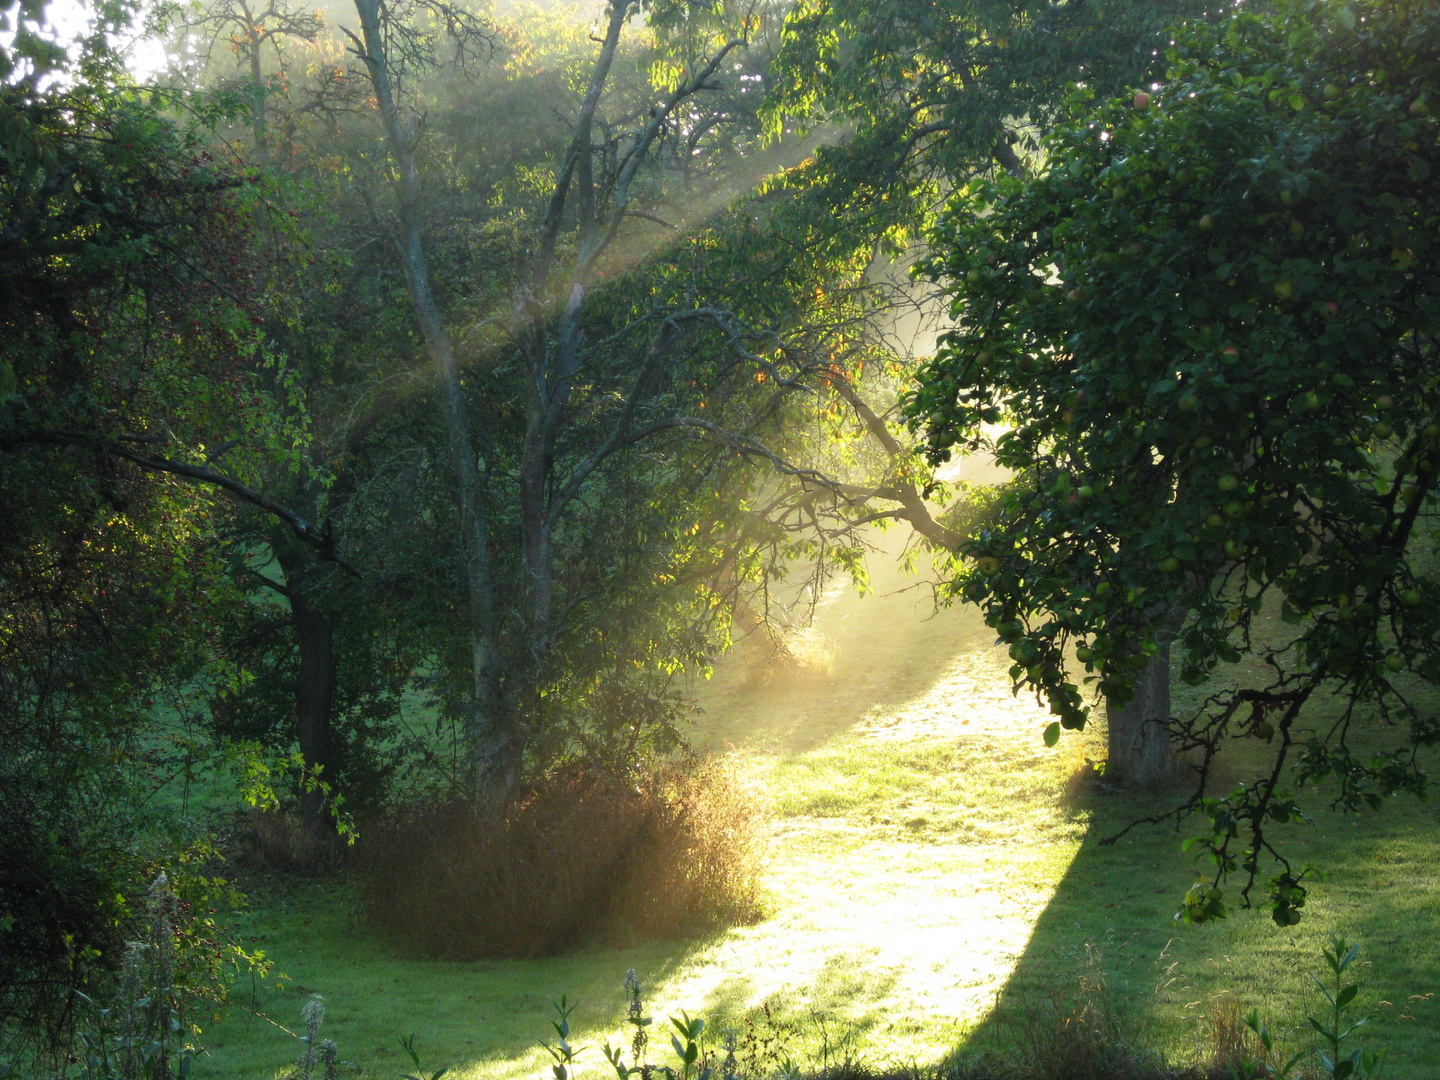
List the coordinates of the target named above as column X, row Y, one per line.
column 1111, row 916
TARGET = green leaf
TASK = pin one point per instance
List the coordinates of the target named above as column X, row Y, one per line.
column 1052, row 733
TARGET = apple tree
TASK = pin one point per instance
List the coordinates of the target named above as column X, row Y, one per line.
column 1207, row 331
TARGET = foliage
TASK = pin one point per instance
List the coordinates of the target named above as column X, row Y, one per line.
column 122, row 324
column 1208, row 328
column 580, row 854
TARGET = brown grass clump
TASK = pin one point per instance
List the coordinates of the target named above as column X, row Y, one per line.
column 577, row 856
column 276, row 842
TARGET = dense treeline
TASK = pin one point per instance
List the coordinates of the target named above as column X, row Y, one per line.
column 501, row 368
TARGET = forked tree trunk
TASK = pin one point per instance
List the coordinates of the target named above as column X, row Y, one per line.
column 1138, row 737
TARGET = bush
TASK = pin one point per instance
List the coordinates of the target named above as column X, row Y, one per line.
column 576, row 856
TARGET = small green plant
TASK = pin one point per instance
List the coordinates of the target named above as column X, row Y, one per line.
column 408, row 1045
column 1360, row 1062
column 1260, row 1068
column 318, row 1051
column 564, row 1054
column 688, row 1044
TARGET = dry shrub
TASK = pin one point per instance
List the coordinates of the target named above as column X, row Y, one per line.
column 1086, row 1034
column 274, row 841
column 577, row 856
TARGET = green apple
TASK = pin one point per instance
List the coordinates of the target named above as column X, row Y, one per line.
column 1234, row 548
column 1394, row 662
column 1410, row 598
column 1085, row 491
column 1141, row 100
column 1234, row 508
column 1384, row 402
column 1419, row 107
column 1383, row 430
column 1228, row 482
column 1169, row 565
column 1284, row 289
column 1084, row 655
column 1331, row 92
column 988, row 565
column 1215, row 521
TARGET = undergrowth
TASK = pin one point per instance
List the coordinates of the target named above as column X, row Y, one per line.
column 581, row 855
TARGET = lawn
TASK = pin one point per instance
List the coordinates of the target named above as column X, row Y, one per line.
column 930, row 885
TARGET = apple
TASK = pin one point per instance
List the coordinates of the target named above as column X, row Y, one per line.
column 1394, row 662
column 1141, row 100
column 1331, row 92
column 1410, row 598
column 1383, row 430
column 1432, row 430
column 1074, row 294
column 1169, row 564
column 1297, row 229
column 1085, row 491
column 1084, row 655
column 1228, row 482
column 1135, row 248
column 988, row 565
column 1207, row 222
column 1312, row 400
column 1331, row 309
column 1234, row 509
column 1264, row 730
column 1287, row 196
column 1231, row 353
column 1234, row 548
column 1187, row 403
column 1215, row 521
column 1284, row 289
column 1384, row 401
column 1419, row 107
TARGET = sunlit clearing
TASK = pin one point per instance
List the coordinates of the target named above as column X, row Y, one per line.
column 918, row 831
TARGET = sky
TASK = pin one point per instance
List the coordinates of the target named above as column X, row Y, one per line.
column 67, row 20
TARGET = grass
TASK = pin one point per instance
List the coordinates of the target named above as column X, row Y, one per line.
column 929, row 886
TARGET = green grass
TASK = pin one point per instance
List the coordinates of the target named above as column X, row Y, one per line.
column 928, row 885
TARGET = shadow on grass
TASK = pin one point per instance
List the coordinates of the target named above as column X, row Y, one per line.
column 1112, row 914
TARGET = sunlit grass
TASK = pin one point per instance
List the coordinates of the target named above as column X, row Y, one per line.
column 924, row 868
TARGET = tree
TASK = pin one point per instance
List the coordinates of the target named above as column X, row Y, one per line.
column 124, row 330
column 1209, row 328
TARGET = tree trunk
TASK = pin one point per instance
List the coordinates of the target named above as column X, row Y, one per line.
column 314, row 684
column 314, row 702
column 494, row 752
column 1138, row 735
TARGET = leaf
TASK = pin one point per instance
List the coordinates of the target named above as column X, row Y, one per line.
column 1347, row 995
column 1052, row 733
